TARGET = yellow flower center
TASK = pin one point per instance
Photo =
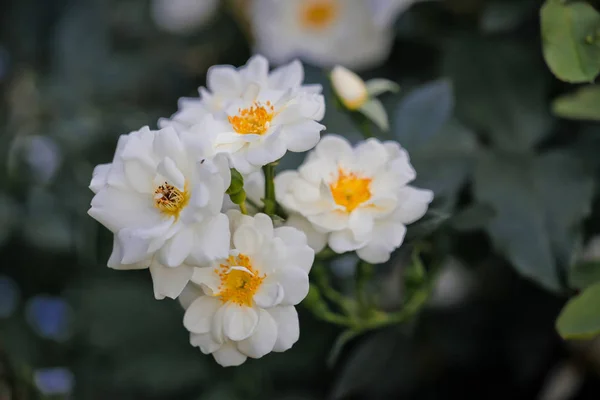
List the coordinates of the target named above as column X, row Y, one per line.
column 254, row 120
column 238, row 286
column 350, row 190
column 170, row 200
column 318, row 14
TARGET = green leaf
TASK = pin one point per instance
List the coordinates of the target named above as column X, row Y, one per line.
column 570, row 40
column 580, row 318
column 540, row 203
column 582, row 104
column 445, row 162
column 499, row 90
column 584, row 274
column 422, row 113
column 472, row 218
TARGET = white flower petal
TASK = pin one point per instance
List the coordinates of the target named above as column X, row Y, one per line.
column 168, row 145
column 294, row 282
column 99, row 177
column 330, row 221
column 264, row 225
column 229, row 356
column 335, row 149
column 207, row 278
column 169, row 282
column 302, row 136
column 315, row 239
column 247, row 240
column 189, row 293
column 177, row 249
column 269, row 295
column 211, row 241
column 343, row 241
column 170, row 174
column 288, row 328
column 198, row 318
column 413, row 204
column 223, row 79
column 361, row 225
column 239, row 322
column 287, row 76
column 263, row 339
column 256, row 70
column 205, row 342
column 117, row 255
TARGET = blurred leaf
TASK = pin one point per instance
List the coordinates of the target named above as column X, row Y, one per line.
column 580, row 319
column 504, row 15
column 472, row 218
column 422, row 113
column 427, row 225
column 380, row 364
column 582, row 104
column 584, row 274
column 499, row 91
column 570, row 40
column 445, row 162
column 539, row 203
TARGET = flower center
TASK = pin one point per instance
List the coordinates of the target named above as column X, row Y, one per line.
column 240, row 284
column 253, row 120
column 170, row 200
column 318, row 14
column 350, row 190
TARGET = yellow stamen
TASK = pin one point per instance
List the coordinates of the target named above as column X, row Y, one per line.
column 238, row 286
column 318, row 14
column 253, row 120
column 170, row 200
column 350, row 190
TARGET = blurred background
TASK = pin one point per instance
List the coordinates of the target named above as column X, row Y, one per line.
column 515, row 198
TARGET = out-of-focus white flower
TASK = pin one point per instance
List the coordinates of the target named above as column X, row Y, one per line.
column 253, row 115
column 247, row 309
column 325, row 32
column 162, row 200
column 385, row 11
column 358, row 95
column 358, row 195
column 182, row 16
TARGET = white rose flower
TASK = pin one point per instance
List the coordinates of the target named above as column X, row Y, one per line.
column 252, row 115
column 162, row 201
column 182, row 16
column 247, row 309
column 359, row 196
column 226, row 83
column 352, row 33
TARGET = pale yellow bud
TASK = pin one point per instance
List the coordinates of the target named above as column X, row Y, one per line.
column 349, row 87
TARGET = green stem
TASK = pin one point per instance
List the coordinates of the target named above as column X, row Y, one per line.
column 243, row 208
column 322, row 280
column 363, row 275
column 362, row 123
column 269, row 200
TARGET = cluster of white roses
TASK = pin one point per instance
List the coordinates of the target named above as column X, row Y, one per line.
column 239, row 276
